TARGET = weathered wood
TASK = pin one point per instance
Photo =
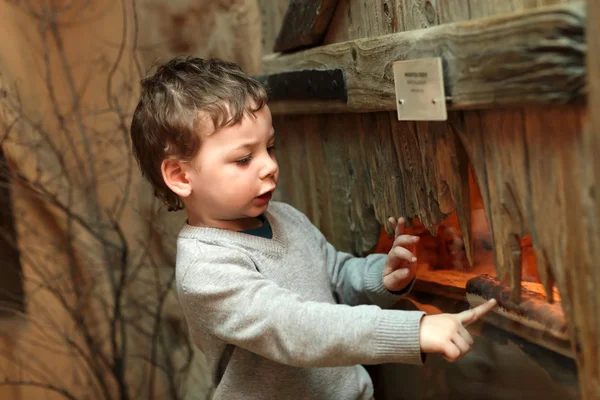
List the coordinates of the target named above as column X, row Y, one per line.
column 360, row 19
column 531, row 57
column 562, row 190
column 304, row 24
column 325, row 175
column 586, row 241
column 418, row 14
column 413, row 170
column 375, row 166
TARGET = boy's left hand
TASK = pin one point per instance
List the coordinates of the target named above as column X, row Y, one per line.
column 401, row 265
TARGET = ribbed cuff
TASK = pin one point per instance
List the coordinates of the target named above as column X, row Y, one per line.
column 397, row 337
column 406, row 289
column 374, row 288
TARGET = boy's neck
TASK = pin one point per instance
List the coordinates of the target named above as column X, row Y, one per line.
column 242, row 224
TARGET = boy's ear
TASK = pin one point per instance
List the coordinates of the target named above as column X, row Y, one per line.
column 175, row 177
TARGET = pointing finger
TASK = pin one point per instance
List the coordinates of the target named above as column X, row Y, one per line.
column 469, row 316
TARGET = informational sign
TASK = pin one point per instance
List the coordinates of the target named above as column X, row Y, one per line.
column 420, row 90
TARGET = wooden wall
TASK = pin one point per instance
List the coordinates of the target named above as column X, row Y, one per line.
column 535, row 167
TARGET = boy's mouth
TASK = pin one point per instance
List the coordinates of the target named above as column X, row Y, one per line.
column 264, row 198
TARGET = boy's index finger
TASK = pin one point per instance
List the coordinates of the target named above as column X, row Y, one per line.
column 469, row 316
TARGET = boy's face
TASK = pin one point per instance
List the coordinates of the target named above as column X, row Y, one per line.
column 234, row 174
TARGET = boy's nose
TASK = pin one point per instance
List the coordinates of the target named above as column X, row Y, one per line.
column 270, row 168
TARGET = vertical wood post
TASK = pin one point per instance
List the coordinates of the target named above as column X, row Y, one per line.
column 590, row 371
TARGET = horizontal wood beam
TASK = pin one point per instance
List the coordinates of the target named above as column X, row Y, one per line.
column 534, row 57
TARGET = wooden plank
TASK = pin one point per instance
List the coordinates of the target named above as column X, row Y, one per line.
column 304, row 24
column 531, row 57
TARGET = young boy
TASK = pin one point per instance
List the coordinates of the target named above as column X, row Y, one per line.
column 278, row 312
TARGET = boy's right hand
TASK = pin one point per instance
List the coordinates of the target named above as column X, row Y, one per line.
column 446, row 333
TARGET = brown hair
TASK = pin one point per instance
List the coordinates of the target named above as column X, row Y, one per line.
column 166, row 119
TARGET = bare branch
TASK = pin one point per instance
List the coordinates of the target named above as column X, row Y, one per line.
column 110, row 287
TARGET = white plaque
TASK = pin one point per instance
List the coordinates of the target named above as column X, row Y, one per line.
column 420, row 90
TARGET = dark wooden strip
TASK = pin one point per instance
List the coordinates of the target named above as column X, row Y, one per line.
column 305, row 85
column 305, row 24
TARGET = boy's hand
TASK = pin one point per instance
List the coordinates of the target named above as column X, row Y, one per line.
column 401, row 265
column 446, row 333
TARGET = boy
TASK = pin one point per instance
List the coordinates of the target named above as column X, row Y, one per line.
column 278, row 312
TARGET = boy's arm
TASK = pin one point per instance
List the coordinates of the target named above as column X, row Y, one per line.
column 354, row 280
column 228, row 297
column 357, row 280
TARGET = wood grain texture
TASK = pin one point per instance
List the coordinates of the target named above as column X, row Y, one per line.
column 304, row 24
column 531, row 57
column 324, row 174
column 585, row 245
column 355, row 19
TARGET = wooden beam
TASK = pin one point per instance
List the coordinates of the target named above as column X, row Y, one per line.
column 304, row 24
column 533, row 57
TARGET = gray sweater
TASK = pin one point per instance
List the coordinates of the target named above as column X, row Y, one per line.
column 289, row 317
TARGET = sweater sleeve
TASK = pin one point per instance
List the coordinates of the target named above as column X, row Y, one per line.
column 225, row 295
column 356, row 280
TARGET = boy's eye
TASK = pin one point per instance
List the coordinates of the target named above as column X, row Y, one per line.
column 271, row 148
column 244, row 161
